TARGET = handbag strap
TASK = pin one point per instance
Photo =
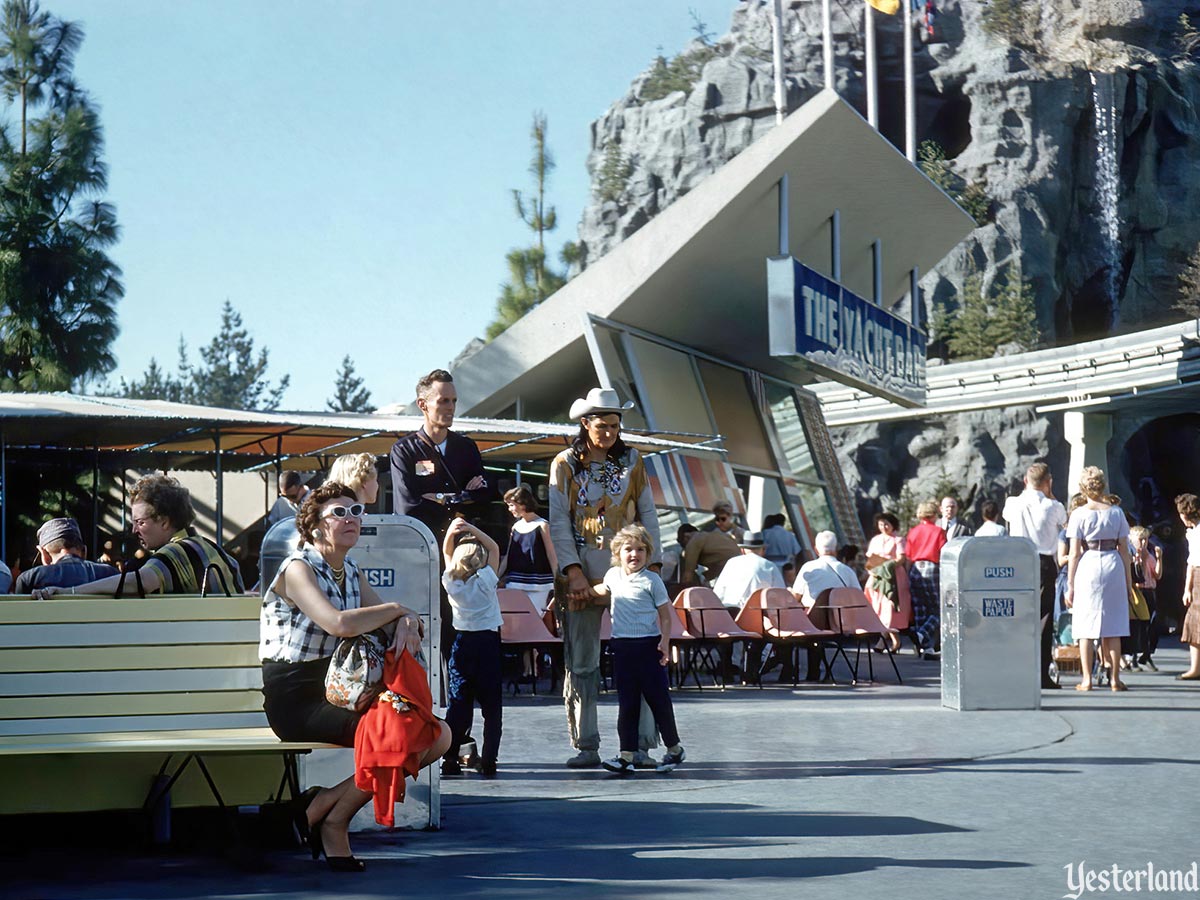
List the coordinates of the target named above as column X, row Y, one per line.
column 137, row 577
column 213, row 567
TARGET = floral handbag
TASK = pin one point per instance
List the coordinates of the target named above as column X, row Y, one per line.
column 355, row 673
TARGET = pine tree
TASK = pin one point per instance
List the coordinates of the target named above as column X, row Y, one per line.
column 530, row 280
column 58, row 288
column 231, row 375
column 349, row 395
column 614, row 173
column 1188, row 299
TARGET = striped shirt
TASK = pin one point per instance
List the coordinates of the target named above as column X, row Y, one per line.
column 182, row 563
column 286, row 633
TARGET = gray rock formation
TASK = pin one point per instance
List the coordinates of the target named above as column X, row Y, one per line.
column 1020, row 118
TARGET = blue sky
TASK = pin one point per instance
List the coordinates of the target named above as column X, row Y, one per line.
column 341, row 171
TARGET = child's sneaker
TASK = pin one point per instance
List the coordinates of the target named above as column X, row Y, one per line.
column 671, row 760
column 620, row 765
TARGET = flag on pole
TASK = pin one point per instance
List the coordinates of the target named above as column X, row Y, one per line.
column 887, row 7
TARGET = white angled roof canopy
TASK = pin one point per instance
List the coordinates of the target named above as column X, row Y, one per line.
column 696, row 273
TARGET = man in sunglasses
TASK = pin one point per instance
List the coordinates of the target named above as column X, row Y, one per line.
column 179, row 561
column 724, row 521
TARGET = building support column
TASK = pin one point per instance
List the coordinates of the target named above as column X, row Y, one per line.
column 1088, row 434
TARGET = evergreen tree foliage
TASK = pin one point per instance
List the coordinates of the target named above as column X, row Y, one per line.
column 614, row 173
column 58, row 288
column 679, row 73
column 1188, row 299
column 1187, row 36
column 971, row 196
column 349, row 395
column 530, row 281
column 1016, row 22
column 231, row 374
column 984, row 322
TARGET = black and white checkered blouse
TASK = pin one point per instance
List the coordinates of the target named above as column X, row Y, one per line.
column 286, row 634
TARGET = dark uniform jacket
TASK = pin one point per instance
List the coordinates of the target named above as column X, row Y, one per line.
column 415, row 471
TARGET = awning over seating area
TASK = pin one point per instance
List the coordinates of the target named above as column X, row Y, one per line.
column 159, row 434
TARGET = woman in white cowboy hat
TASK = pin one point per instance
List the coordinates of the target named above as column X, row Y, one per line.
column 597, row 487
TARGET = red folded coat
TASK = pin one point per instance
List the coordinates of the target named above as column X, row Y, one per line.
column 394, row 733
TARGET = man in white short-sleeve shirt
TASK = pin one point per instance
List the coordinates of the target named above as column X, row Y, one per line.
column 1035, row 514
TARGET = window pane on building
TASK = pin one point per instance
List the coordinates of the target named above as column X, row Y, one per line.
column 737, row 416
column 674, row 396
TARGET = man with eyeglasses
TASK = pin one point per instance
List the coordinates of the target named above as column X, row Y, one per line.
column 179, row 561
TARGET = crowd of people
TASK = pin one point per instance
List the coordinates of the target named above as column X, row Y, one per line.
column 599, row 549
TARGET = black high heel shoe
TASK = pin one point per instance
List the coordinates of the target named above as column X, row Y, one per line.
column 299, row 809
column 335, row 863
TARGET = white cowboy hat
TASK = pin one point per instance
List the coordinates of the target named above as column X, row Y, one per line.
column 599, row 401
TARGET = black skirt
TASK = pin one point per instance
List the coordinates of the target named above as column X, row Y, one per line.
column 296, row 708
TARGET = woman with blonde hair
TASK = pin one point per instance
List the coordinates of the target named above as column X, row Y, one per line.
column 473, row 667
column 357, row 471
column 1099, row 581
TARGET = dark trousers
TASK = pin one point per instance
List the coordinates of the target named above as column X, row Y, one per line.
column 1048, row 573
column 639, row 676
column 474, row 676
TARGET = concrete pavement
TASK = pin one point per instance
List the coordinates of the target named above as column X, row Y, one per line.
column 822, row 791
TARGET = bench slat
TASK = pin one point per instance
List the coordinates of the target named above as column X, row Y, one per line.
column 101, row 725
column 100, row 659
column 195, row 740
column 149, row 681
column 114, row 634
column 23, row 611
column 130, row 704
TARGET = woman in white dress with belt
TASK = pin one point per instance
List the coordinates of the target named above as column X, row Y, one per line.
column 1098, row 578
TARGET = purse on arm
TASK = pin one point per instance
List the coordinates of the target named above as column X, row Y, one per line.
column 355, row 675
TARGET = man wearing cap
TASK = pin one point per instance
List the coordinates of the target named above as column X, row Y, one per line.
column 63, row 558
column 745, row 574
column 597, row 487
column 179, row 561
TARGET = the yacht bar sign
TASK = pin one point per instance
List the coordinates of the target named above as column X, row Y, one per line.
column 841, row 335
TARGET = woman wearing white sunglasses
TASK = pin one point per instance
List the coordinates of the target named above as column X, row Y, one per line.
column 308, row 608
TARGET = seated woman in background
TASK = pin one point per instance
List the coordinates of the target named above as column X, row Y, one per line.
column 358, row 472
column 318, row 597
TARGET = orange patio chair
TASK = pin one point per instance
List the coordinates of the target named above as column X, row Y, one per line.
column 852, row 614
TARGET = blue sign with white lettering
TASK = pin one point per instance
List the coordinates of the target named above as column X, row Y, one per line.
column 999, row 607
column 999, row 572
column 381, row 578
column 833, row 329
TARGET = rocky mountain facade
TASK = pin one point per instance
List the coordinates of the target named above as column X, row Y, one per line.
column 1079, row 122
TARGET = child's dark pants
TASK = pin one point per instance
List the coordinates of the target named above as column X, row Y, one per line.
column 474, row 675
column 639, row 674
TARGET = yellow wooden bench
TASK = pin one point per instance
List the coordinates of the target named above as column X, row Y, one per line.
column 118, row 704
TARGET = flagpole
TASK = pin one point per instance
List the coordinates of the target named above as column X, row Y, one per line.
column 777, row 28
column 827, row 28
column 910, row 101
column 872, row 100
